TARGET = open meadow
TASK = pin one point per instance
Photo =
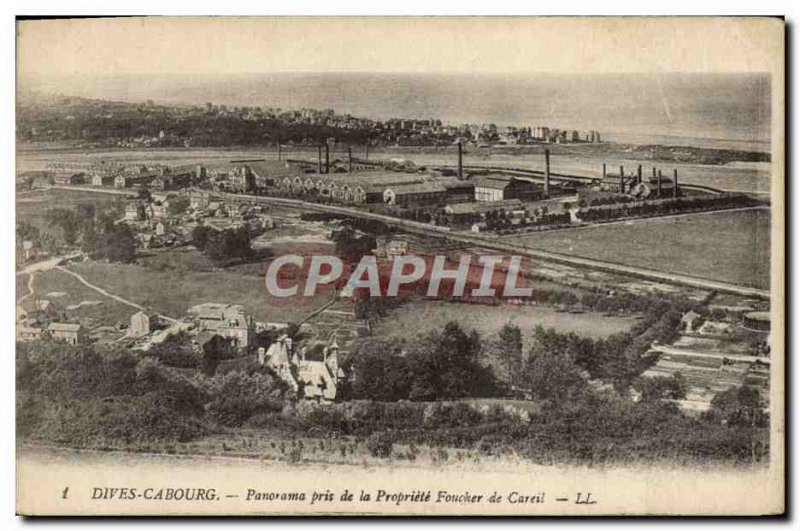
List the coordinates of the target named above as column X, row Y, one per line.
column 732, row 246
column 173, row 291
column 76, row 300
column 420, row 317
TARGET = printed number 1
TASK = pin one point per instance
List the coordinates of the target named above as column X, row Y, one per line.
column 64, row 493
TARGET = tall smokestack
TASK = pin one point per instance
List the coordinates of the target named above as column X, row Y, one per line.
column 621, row 179
column 327, row 158
column 279, row 149
column 639, row 174
column 349, row 159
column 604, row 170
column 547, row 172
column 460, row 161
column 319, row 158
column 366, row 151
column 659, row 182
column 675, row 183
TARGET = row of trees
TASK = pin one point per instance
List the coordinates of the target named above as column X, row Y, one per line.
column 665, row 207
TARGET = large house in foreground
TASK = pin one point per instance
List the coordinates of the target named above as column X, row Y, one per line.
column 226, row 320
column 312, row 371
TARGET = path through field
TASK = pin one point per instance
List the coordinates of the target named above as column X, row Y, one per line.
column 109, row 295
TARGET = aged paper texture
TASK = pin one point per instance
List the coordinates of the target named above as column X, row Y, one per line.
column 400, row 266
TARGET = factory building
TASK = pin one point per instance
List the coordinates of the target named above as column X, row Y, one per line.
column 495, row 187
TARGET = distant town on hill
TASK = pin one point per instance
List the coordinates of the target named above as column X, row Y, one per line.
column 92, row 123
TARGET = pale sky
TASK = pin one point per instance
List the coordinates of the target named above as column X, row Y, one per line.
column 499, row 45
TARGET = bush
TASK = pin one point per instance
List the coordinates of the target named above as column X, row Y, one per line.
column 129, row 419
column 380, row 444
column 237, row 396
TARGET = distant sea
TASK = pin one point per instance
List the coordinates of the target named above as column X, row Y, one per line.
column 703, row 110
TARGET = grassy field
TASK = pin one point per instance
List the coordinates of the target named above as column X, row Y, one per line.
column 417, row 317
column 728, row 246
column 21, row 285
column 173, row 291
column 109, row 312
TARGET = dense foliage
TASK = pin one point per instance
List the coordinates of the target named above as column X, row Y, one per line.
column 83, row 396
column 95, row 230
column 223, row 245
column 434, row 389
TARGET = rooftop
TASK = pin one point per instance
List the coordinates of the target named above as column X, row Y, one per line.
column 64, row 327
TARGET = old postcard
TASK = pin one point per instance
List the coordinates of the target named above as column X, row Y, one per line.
column 400, row 266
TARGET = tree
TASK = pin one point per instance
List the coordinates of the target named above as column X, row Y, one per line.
column 445, row 365
column 67, row 220
column 370, row 310
column 381, row 375
column 27, row 231
column 214, row 350
column 739, row 406
column 662, row 387
column 119, row 245
column 227, row 244
column 237, row 396
column 176, row 351
column 511, row 347
column 551, row 373
column 200, row 236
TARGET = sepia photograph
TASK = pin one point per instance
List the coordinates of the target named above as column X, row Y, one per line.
column 399, row 266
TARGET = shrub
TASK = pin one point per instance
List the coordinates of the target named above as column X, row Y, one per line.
column 237, row 396
column 380, row 444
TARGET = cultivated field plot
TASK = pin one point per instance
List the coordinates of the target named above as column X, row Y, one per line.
column 420, row 317
column 172, row 292
column 727, row 246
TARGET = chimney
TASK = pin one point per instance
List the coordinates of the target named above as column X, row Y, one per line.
column 319, row 159
column 621, row 179
column 639, row 174
column 604, row 170
column 279, row 149
column 366, row 151
column 349, row 159
column 460, row 161
column 675, row 183
column 327, row 158
column 547, row 172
